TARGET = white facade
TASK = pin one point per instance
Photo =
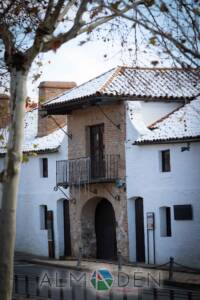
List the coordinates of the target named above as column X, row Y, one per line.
column 160, row 189
column 36, row 191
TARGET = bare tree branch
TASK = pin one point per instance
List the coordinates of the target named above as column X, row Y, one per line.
column 155, row 29
column 8, row 39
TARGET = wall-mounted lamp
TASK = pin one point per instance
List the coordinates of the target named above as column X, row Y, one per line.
column 186, row 148
column 120, row 183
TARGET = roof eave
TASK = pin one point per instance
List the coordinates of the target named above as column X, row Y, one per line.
column 67, row 106
column 43, row 151
column 40, row 151
column 167, row 141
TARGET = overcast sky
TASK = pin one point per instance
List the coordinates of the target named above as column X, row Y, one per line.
column 81, row 63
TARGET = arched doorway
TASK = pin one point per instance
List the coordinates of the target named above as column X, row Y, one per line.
column 105, row 228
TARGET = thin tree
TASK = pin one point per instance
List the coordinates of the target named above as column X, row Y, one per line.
column 28, row 28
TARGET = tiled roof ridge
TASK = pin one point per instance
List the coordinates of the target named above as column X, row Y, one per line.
column 78, row 86
column 153, row 125
column 55, row 97
column 119, row 69
column 172, row 84
column 180, row 124
column 116, row 72
column 160, row 68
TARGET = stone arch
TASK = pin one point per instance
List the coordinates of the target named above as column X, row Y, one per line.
column 92, row 211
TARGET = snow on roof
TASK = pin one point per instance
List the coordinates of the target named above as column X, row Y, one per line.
column 49, row 142
column 184, row 123
column 32, row 143
column 137, row 82
column 84, row 90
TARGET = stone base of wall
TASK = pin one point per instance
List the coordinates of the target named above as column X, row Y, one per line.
column 82, row 217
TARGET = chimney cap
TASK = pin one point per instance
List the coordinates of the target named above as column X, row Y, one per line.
column 57, row 84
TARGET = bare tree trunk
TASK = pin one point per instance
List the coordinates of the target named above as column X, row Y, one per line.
column 10, row 186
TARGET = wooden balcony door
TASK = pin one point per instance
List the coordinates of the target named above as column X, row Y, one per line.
column 97, row 151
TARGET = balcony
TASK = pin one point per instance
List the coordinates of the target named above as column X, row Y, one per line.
column 75, row 172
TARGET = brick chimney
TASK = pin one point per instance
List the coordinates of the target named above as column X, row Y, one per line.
column 48, row 90
column 4, row 110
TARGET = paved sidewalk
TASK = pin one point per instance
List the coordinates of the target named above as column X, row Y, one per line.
column 180, row 279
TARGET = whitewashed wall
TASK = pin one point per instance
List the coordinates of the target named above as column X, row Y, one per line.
column 35, row 191
column 152, row 111
column 180, row 186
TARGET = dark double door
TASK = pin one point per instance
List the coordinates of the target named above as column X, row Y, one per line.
column 50, row 229
column 67, row 235
column 105, row 227
column 139, row 225
column 97, row 151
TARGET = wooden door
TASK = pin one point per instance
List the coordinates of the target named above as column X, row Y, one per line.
column 105, row 227
column 67, row 235
column 139, row 224
column 97, row 151
column 50, row 229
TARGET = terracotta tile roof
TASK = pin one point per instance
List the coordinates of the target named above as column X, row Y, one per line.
column 155, row 124
column 182, row 124
column 145, row 83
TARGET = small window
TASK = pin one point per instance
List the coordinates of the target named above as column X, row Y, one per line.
column 183, row 212
column 165, row 161
column 43, row 217
column 165, row 221
column 44, row 167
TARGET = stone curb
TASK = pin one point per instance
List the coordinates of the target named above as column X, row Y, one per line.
column 50, row 264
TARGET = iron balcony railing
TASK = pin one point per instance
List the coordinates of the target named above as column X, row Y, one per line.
column 87, row 170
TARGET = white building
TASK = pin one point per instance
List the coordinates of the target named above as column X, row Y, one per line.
column 161, row 143
column 158, row 127
column 163, row 170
